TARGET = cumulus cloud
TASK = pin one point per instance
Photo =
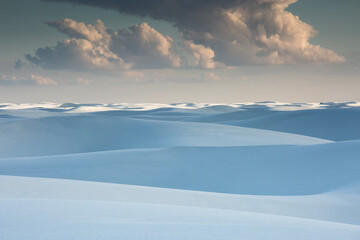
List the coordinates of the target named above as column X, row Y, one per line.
column 236, row 32
column 87, row 49
column 204, row 56
column 97, row 33
column 29, row 80
column 145, row 47
column 94, row 47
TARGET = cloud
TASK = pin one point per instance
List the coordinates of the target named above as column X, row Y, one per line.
column 88, row 49
column 210, row 76
column 94, row 47
column 29, row 80
column 97, row 33
column 81, row 80
column 237, row 31
column 135, row 76
column 145, row 47
column 204, row 56
column 40, row 80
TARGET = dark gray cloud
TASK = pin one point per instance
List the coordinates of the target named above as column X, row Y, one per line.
column 170, row 10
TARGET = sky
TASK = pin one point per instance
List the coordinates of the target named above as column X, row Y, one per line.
column 179, row 51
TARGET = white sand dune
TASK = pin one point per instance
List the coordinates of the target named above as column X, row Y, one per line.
column 87, row 220
column 270, row 170
column 76, row 134
column 332, row 124
column 340, row 205
column 63, row 209
column 254, row 171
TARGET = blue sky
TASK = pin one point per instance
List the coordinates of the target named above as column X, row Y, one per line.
column 146, row 60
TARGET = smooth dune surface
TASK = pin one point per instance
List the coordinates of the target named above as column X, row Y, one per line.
column 263, row 170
